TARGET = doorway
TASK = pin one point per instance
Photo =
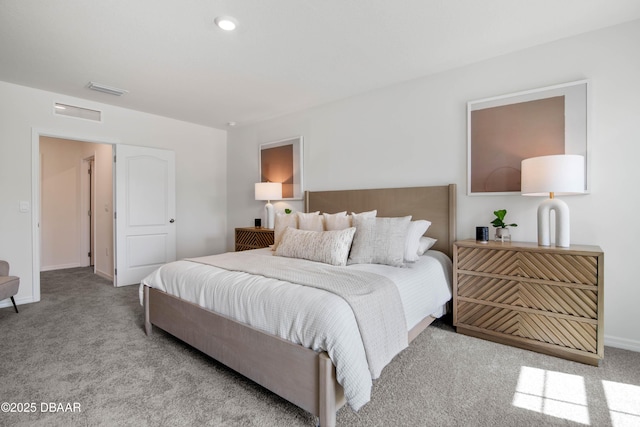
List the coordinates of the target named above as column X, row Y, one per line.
column 76, row 177
column 147, row 163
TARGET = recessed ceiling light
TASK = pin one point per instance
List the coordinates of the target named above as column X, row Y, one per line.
column 226, row 23
column 106, row 89
column 232, row 124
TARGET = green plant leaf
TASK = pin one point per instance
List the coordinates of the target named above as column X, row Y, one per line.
column 499, row 220
column 497, row 223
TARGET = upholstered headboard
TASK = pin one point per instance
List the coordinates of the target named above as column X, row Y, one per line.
column 435, row 203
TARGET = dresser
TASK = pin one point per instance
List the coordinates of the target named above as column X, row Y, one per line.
column 545, row 299
column 253, row 238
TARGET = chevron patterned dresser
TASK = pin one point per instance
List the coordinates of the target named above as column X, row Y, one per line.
column 545, row 299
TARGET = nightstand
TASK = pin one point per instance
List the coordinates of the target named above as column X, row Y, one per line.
column 545, row 299
column 253, row 238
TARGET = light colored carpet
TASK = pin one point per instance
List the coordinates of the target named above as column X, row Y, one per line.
column 84, row 343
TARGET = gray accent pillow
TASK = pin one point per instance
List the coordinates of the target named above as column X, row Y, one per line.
column 379, row 241
column 329, row 247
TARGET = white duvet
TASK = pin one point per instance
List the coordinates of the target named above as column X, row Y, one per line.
column 308, row 316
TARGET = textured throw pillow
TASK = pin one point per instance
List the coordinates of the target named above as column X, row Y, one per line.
column 310, row 221
column 337, row 221
column 426, row 243
column 379, row 241
column 329, row 247
column 282, row 221
column 414, row 233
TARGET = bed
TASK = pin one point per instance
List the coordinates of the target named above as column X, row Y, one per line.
column 301, row 375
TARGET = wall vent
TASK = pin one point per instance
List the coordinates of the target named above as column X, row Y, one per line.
column 77, row 112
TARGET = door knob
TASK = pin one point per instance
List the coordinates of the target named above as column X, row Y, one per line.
column 172, row 220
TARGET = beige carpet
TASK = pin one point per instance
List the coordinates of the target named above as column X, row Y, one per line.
column 84, row 345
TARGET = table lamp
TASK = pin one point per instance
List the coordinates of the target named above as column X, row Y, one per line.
column 556, row 175
column 268, row 191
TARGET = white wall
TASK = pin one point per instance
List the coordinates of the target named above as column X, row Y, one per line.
column 200, row 170
column 415, row 134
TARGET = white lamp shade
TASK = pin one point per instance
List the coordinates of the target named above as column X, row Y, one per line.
column 561, row 174
column 268, row 190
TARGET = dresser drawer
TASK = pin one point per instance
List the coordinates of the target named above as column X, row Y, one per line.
column 557, row 267
column 530, row 326
column 548, row 298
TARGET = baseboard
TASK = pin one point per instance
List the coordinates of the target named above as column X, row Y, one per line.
column 60, row 267
column 622, row 343
column 19, row 301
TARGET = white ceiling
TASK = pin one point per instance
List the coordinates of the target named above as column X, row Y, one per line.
column 285, row 55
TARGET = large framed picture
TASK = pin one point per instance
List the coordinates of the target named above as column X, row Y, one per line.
column 504, row 130
column 281, row 161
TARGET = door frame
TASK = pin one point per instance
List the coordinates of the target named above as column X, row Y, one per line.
column 88, row 217
column 36, row 133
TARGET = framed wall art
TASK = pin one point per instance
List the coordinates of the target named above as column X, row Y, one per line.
column 281, row 161
column 504, row 130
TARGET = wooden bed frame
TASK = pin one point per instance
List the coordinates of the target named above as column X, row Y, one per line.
column 298, row 374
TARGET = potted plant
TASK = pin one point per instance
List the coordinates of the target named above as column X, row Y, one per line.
column 502, row 228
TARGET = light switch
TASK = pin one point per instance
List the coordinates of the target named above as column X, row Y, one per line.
column 24, row 206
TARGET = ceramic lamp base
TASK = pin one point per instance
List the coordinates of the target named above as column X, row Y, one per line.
column 270, row 218
column 563, row 234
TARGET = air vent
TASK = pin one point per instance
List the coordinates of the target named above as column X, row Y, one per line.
column 106, row 89
column 77, row 112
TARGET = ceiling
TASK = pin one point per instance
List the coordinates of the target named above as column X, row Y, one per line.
column 285, row 55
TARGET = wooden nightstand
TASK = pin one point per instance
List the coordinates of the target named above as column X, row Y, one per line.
column 253, row 238
column 545, row 299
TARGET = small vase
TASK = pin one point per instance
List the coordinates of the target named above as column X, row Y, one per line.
column 502, row 234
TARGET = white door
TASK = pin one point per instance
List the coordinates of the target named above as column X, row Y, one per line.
column 144, row 211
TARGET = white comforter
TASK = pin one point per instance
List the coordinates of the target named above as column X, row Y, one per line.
column 308, row 316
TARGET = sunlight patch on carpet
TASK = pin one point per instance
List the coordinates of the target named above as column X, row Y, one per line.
column 623, row 401
column 552, row 393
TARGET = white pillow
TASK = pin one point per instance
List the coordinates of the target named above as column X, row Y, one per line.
column 367, row 214
column 415, row 231
column 379, row 241
column 426, row 243
column 282, row 221
column 310, row 221
column 329, row 247
column 337, row 221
